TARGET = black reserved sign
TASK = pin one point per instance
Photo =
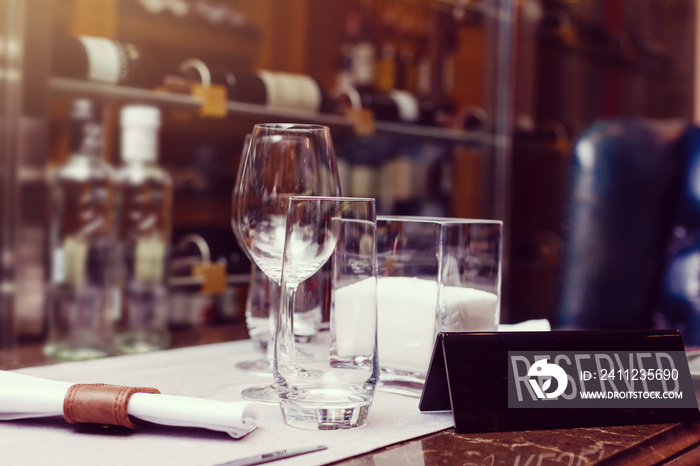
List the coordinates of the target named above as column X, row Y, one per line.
column 544, row 380
column 599, row 379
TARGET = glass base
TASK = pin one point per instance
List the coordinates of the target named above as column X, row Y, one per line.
column 259, row 366
column 265, row 394
column 401, row 382
column 73, row 352
column 326, row 409
column 142, row 342
column 399, row 387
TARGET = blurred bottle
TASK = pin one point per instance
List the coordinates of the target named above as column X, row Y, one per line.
column 424, row 59
column 407, row 66
column 436, row 168
column 407, row 181
column 286, row 90
column 144, row 224
column 344, row 75
column 423, row 73
column 364, row 172
column 104, row 60
column 82, row 287
column 395, row 105
column 396, row 181
column 386, row 66
column 361, row 52
column 443, row 90
column 273, row 89
column 415, row 181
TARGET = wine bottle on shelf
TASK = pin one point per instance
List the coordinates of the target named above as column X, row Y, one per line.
column 364, row 174
column 405, row 186
column 366, row 154
column 386, row 68
column 419, row 180
column 424, row 62
column 104, row 60
column 395, row 105
column 294, row 90
column 407, row 65
column 443, row 95
column 273, row 89
column 344, row 71
column 356, row 63
column 144, row 204
column 437, row 169
column 81, row 292
column 362, row 55
column 394, row 173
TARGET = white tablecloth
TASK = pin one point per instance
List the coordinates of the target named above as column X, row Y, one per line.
column 206, row 372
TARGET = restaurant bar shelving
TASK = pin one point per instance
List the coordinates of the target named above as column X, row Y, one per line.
column 28, row 91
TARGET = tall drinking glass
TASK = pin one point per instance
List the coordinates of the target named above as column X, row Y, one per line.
column 282, row 160
column 329, row 383
column 434, row 275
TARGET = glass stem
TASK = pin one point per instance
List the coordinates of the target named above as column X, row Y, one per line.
column 273, row 292
column 284, row 348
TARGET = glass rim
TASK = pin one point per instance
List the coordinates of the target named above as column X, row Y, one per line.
column 292, row 127
column 331, row 198
column 429, row 219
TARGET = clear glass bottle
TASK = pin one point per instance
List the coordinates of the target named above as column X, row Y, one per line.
column 82, row 291
column 144, row 206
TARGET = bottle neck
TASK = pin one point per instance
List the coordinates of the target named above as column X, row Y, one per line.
column 139, row 144
column 86, row 138
column 85, row 156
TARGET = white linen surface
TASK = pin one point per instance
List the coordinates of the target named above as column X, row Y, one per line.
column 204, row 372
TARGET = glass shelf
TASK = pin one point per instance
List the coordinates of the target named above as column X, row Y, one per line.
column 64, row 86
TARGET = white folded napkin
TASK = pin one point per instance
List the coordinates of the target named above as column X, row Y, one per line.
column 23, row 396
column 532, row 325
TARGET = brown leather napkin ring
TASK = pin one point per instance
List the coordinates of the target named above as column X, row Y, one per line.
column 101, row 404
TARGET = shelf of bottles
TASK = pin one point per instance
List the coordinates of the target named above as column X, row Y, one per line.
column 395, row 66
column 132, row 52
column 570, row 31
column 405, row 87
column 115, row 92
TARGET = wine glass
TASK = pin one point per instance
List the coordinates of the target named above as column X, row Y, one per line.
column 263, row 294
column 282, row 160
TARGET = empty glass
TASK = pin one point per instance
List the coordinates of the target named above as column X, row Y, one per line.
column 328, row 382
column 263, row 295
column 435, row 275
column 282, row 160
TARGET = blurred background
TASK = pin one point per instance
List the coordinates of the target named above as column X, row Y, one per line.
column 462, row 108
